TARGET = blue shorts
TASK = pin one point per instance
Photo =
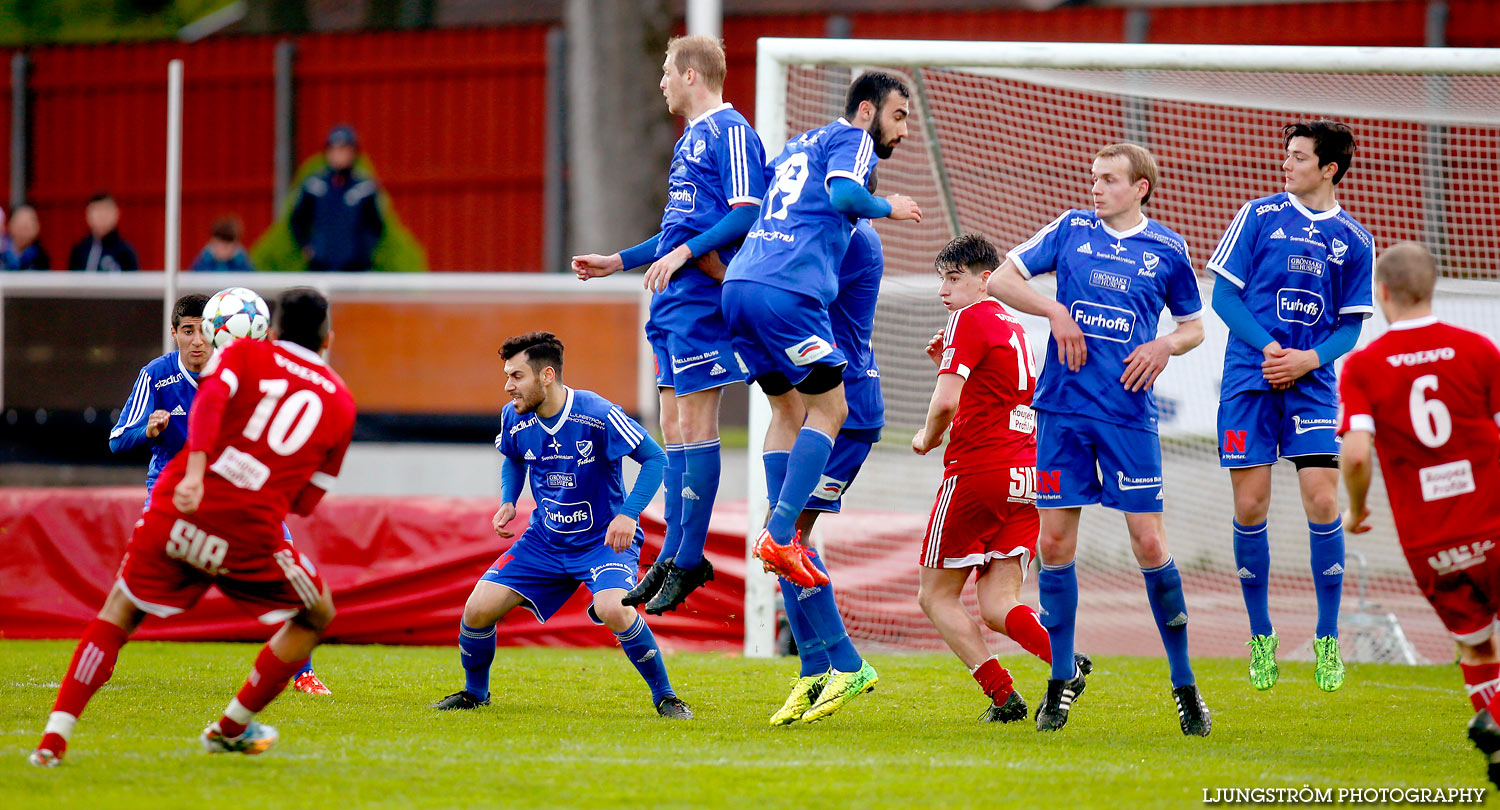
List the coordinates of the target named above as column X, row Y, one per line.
column 776, row 330
column 691, row 345
column 547, row 576
column 1258, row 427
column 865, row 401
column 1072, row 451
column 850, row 449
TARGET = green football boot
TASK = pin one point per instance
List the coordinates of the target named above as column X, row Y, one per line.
column 805, row 692
column 841, row 688
column 1329, row 671
column 1263, row 669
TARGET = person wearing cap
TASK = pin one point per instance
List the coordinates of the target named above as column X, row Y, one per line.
column 336, row 221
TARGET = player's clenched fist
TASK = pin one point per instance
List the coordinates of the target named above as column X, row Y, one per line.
column 188, row 494
column 156, row 423
column 904, row 208
column 621, row 533
column 506, row 514
column 593, row 265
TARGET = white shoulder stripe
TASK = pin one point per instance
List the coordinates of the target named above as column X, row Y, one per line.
column 739, row 177
column 622, row 426
column 1231, row 236
column 952, row 328
column 138, row 396
column 1041, row 234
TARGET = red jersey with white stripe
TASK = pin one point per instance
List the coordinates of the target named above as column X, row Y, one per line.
column 1430, row 394
column 995, row 428
column 286, row 425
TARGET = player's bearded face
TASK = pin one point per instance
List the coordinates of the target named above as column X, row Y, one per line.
column 889, row 125
column 523, row 385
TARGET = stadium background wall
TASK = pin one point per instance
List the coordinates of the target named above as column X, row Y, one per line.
column 454, row 118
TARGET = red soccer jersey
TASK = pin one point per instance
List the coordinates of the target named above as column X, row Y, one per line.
column 286, row 424
column 995, row 427
column 1430, row 393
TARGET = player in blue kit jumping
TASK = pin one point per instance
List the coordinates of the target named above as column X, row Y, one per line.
column 716, row 182
column 1295, row 274
column 776, row 298
column 156, row 414
column 568, row 444
column 818, row 627
column 1116, row 269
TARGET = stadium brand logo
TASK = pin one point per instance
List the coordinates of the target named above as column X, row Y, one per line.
column 1126, row 482
column 1150, row 260
column 829, row 489
column 1468, row 555
column 1298, row 306
column 771, row 236
column 522, row 425
column 1302, row 425
column 1085, row 249
column 568, row 518
column 810, row 350
column 1109, row 281
column 1104, row 322
column 1304, row 264
column 298, row 370
column 585, row 448
column 1083, row 222
column 1048, row 482
column 1422, row 357
column 1269, row 207
column 166, row 381
column 1278, row 234
column 561, row 480
column 1338, row 248
column 1234, row 441
column 682, row 198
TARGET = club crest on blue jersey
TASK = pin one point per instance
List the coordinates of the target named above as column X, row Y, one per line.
column 585, row 449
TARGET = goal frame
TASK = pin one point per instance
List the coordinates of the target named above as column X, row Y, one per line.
column 776, row 55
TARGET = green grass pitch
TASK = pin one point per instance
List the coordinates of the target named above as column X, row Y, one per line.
column 575, row 729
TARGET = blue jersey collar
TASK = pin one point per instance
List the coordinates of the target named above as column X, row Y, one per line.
column 1315, row 216
column 186, row 375
column 1128, row 232
column 562, row 416
column 696, row 121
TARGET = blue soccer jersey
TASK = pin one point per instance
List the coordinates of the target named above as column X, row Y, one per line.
column 853, row 314
column 1299, row 272
column 1115, row 285
column 718, row 163
column 573, row 467
column 800, row 239
column 164, row 384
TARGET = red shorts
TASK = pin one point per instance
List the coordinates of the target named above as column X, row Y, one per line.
column 981, row 517
column 1462, row 581
column 170, row 562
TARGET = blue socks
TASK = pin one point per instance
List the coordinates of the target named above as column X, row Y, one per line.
column 476, row 650
column 810, row 647
column 775, row 463
column 671, row 484
column 1164, row 591
column 822, row 614
column 700, row 485
column 803, row 469
column 306, row 667
column 639, row 644
column 1252, row 557
column 1327, row 543
column 1058, row 586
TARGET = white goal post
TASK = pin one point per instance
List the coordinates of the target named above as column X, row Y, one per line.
column 1000, row 142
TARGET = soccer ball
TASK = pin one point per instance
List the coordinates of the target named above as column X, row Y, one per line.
column 233, row 314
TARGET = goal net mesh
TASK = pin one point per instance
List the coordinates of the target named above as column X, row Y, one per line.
column 1001, row 152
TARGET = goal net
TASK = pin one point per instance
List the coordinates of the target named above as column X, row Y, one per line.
column 1000, row 142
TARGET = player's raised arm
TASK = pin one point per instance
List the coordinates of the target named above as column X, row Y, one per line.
column 217, row 386
column 595, row 265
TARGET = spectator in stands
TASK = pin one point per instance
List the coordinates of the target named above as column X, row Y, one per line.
column 336, row 221
column 103, row 250
column 224, row 253
column 22, row 251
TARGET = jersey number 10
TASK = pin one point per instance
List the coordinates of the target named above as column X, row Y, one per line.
column 294, row 422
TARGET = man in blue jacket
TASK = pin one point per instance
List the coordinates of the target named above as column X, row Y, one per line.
column 336, row 221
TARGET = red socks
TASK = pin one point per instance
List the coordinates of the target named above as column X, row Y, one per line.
column 265, row 682
column 92, row 665
column 1481, row 682
column 1021, row 624
column 994, row 680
